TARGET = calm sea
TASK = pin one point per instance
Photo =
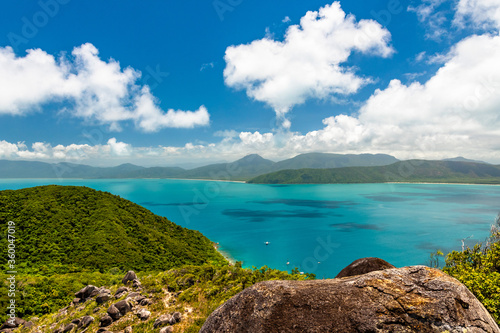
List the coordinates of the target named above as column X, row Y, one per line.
column 318, row 228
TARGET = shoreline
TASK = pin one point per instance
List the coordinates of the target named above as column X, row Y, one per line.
column 69, row 179
column 225, row 254
column 426, row 183
column 240, row 181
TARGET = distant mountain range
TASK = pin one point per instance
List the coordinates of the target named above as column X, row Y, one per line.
column 243, row 169
column 405, row 171
column 311, row 168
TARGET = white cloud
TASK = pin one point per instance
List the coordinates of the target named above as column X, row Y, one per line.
column 286, row 19
column 98, row 91
column 482, row 13
column 427, row 12
column 206, row 66
column 308, row 63
column 9, row 150
column 118, row 148
column 421, row 56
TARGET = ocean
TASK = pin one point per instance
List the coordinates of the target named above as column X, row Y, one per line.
column 317, row 228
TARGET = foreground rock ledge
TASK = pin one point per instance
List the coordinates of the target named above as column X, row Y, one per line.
column 410, row 299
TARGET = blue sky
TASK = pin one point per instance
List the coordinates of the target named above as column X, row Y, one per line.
column 193, row 82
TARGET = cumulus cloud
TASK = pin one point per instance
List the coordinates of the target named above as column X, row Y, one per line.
column 72, row 152
column 309, row 62
column 454, row 113
column 96, row 90
column 482, row 13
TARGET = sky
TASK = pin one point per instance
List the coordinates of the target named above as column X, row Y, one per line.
column 162, row 83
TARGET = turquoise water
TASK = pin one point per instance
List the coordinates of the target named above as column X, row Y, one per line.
column 318, row 228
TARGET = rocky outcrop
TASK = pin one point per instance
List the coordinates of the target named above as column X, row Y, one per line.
column 102, row 294
column 363, row 266
column 410, row 299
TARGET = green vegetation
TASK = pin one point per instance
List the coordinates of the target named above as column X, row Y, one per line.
column 406, row 171
column 479, row 270
column 324, row 161
column 68, row 237
column 38, row 295
column 63, row 229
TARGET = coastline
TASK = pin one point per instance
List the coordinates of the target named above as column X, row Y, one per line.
column 226, row 255
column 240, row 181
column 426, row 183
column 69, row 179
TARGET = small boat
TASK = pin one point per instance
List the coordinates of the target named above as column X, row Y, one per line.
column 267, row 243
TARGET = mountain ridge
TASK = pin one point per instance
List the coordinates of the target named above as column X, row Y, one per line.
column 245, row 168
column 405, row 171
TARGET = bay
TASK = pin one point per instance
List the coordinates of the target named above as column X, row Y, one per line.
column 318, row 228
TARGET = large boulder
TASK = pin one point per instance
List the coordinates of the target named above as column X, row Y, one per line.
column 411, row 299
column 363, row 266
column 130, row 276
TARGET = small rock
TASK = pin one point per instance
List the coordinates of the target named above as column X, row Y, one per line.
column 70, row 327
column 102, row 330
column 136, row 284
column 87, row 292
column 120, row 292
column 102, row 298
column 114, row 313
column 76, row 300
column 106, row 320
column 143, row 314
column 177, row 316
column 85, row 321
column 104, row 291
column 121, row 289
column 124, row 307
column 13, row 323
column 58, row 331
column 138, row 299
column 133, row 295
column 29, row 324
column 130, row 276
column 167, row 329
column 146, row 302
column 96, row 310
column 163, row 321
column 128, row 329
column 76, row 321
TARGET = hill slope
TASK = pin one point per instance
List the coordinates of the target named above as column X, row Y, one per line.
column 81, row 228
column 326, row 161
column 242, row 169
column 407, row 171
